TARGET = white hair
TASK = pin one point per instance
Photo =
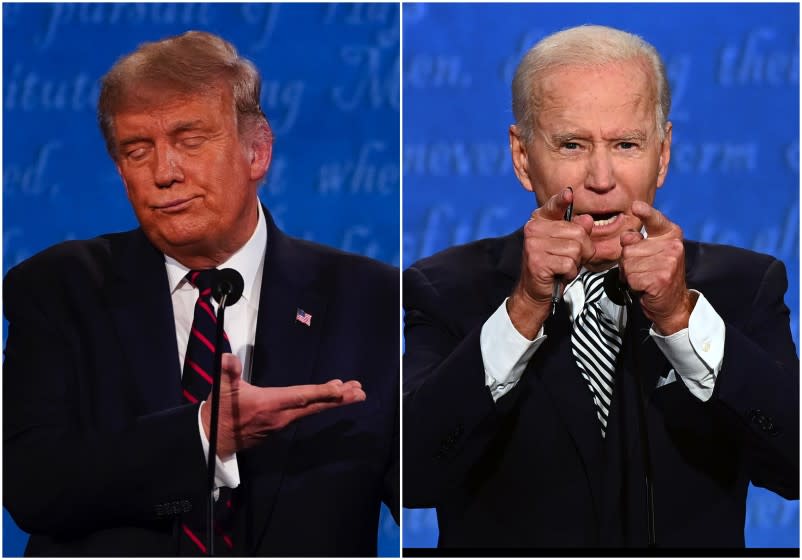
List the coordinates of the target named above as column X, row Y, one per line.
column 585, row 45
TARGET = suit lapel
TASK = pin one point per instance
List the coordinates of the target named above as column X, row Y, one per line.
column 640, row 361
column 139, row 303
column 285, row 351
column 553, row 367
column 556, row 369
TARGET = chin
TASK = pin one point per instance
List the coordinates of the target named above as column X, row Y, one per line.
column 184, row 237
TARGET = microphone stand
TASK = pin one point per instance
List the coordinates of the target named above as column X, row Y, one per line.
column 228, row 289
column 644, row 441
column 618, row 292
column 212, row 462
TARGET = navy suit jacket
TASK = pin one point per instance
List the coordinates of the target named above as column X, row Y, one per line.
column 100, row 451
column 532, row 469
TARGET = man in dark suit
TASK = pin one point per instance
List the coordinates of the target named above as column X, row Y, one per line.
column 105, row 442
column 584, row 422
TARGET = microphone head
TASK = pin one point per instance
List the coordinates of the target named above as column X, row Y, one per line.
column 228, row 283
column 615, row 288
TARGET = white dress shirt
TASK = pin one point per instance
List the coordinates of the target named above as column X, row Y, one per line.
column 240, row 322
column 695, row 352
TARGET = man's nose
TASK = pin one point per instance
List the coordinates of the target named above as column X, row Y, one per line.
column 167, row 167
column 600, row 173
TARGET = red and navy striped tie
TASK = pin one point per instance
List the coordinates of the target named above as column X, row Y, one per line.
column 197, row 384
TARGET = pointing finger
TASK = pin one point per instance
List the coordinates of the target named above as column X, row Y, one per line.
column 653, row 220
column 555, row 207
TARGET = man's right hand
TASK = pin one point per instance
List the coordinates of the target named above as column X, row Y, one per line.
column 248, row 414
column 552, row 248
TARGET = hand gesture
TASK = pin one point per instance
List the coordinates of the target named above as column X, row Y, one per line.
column 553, row 248
column 249, row 414
column 655, row 266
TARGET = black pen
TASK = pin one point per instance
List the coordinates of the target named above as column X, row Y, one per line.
column 555, row 291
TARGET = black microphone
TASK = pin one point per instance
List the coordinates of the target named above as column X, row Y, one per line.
column 227, row 289
column 229, row 283
column 616, row 288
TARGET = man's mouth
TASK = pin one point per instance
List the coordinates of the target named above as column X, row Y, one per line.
column 175, row 205
column 601, row 219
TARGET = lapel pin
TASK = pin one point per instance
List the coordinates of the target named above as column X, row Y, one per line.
column 302, row 316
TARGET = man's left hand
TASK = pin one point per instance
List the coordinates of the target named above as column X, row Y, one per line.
column 655, row 267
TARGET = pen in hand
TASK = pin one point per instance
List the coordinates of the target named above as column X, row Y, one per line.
column 555, row 291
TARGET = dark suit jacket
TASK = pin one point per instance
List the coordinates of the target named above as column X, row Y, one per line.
column 100, row 450
column 532, row 470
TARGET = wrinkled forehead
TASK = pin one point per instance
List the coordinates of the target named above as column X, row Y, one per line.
column 143, row 96
column 559, row 84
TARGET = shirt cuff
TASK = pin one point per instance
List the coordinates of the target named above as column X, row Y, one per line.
column 226, row 472
column 505, row 351
column 698, row 351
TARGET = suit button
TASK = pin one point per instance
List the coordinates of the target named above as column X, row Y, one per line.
column 764, row 422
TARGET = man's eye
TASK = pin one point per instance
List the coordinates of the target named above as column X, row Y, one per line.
column 571, row 145
column 627, row 145
column 193, row 142
column 137, row 154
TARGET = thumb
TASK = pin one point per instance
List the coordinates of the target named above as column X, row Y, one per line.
column 231, row 367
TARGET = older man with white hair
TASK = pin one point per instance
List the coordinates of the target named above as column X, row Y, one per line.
column 543, row 406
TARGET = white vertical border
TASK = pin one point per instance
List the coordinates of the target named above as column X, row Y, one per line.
column 400, row 278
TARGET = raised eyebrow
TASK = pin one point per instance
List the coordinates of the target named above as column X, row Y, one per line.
column 562, row 137
column 629, row 135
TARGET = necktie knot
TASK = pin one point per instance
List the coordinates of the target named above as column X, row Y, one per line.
column 203, row 280
column 593, row 282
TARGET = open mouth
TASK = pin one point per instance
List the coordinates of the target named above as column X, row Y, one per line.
column 604, row 218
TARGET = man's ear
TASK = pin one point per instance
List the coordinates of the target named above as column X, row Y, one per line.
column 260, row 151
column 665, row 156
column 520, row 159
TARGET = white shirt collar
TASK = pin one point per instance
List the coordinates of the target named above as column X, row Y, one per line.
column 247, row 261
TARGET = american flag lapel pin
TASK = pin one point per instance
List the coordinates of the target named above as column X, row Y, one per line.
column 302, row 316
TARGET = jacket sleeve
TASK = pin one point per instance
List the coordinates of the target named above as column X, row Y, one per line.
column 61, row 475
column 755, row 404
column 449, row 414
column 759, row 386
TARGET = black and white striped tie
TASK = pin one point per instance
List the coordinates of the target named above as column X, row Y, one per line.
column 596, row 343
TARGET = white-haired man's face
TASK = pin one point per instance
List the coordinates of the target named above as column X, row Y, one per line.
column 595, row 131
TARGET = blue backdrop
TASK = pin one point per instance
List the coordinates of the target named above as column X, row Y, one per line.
column 331, row 92
column 734, row 172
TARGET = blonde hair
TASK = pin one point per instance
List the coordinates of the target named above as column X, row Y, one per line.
column 195, row 62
